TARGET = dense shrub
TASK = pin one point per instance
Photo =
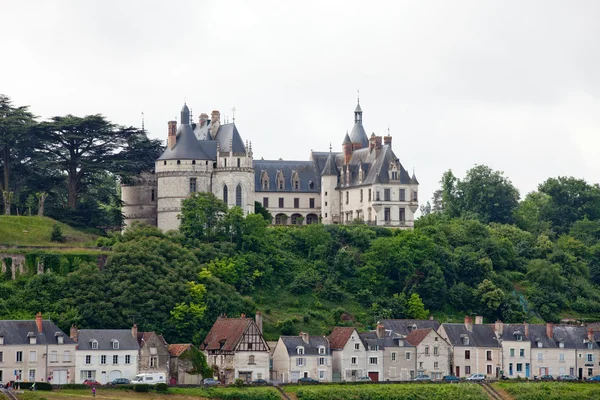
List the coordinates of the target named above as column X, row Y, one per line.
column 161, row 387
column 141, row 388
column 74, row 386
column 238, row 383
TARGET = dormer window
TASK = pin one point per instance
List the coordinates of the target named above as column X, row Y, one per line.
column 519, row 337
column 115, row 344
column 561, row 345
column 280, row 180
column 94, row 344
column 32, row 338
column 590, row 345
column 264, row 179
column 300, row 350
column 321, row 350
column 1, row 339
column 60, row 339
column 295, row 180
column 311, row 185
column 540, row 344
column 466, row 341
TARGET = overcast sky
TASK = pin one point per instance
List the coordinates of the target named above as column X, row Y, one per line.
column 511, row 84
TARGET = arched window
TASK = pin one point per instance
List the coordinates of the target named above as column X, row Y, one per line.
column 225, row 194
column 178, row 162
column 238, row 195
column 193, row 162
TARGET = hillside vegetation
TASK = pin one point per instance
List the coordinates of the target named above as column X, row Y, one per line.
column 37, row 231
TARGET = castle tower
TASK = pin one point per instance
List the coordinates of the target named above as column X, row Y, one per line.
column 184, row 168
column 358, row 136
column 330, row 197
column 139, row 200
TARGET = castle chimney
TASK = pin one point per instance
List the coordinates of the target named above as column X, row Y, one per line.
column 469, row 323
column 134, row 331
column 258, row 320
column 550, row 329
column 478, row 320
column 387, row 140
column 499, row 328
column 590, row 335
column 305, row 337
column 203, row 119
column 526, row 329
column 380, row 330
column 172, row 136
column 377, row 142
column 372, row 142
column 38, row 322
column 73, row 334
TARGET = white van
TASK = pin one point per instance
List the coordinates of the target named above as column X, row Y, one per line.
column 149, row 379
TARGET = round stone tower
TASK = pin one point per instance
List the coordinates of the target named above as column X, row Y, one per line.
column 139, row 200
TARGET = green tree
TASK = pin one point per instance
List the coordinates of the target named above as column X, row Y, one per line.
column 416, row 308
column 531, row 211
column 201, row 216
column 260, row 210
column 186, row 316
column 490, row 297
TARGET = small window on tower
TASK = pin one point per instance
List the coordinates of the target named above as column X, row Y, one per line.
column 165, row 162
column 192, row 185
column 178, row 162
column 238, row 162
column 193, row 162
column 152, row 195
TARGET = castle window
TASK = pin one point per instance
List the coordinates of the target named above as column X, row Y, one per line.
column 238, row 195
column 296, row 185
column 311, row 203
column 394, row 175
column 361, row 195
column 178, row 162
column 165, row 162
column 369, row 195
column 402, row 214
column 296, row 202
column 402, row 194
column 225, row 194
column 239, row 162
column 414, row 196
column 152, row 195
column 280, row 185
column 265, row 202
column 311, row 184
column 347, row 197
column 192, row 185
column 264, row 180
column 386, row 214
column 386, row 195
column 193, row 162
column 281, row 202
column 225, row 162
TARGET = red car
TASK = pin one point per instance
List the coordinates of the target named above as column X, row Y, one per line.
column 91, row 382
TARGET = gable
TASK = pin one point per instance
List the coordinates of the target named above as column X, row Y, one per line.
column 252, row 340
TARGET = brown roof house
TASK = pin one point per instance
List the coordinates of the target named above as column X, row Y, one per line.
column 237, row 349
column 433, row 352
column 154, row 353
column 348, row 354
column 181, row 368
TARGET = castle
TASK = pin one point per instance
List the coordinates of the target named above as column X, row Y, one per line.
column 364, row 182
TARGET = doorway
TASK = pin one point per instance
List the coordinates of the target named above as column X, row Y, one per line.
column 374, row 376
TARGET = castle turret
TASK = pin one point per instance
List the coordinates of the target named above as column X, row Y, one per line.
column 330, row 201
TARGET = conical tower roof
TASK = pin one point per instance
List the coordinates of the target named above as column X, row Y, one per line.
column 330, row 168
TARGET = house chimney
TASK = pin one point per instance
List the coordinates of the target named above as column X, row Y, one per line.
column 73, row 334
column 305, row 337
column 526, row 329
column 499, row 328
column 134, row 331
column 172, row 136
column 258, row 320
column 387, row 140
column 550, row 329
column 242, row 315
column 469, row 323
column 478, row 320
column 431, row 317
column 380, row 331
column 38, row 322
column 590, row 335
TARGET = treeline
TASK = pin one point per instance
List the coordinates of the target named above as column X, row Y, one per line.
column 67, row 167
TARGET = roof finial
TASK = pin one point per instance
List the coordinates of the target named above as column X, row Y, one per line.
column 143, row 130
column 388, row 130
column 191, row 116
column 358, row 95
column 330, row 147
column 233, row 110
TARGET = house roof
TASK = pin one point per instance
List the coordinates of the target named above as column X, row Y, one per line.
column 405, row 326
column 105, row 338
column 143, row 337
column 573, row 337
column 307, row 173
column 339, row 336
column 225, row 334
column 16, row 332
column 481, row 335
column 175, row 350
column 311, row 348
column 416, row 337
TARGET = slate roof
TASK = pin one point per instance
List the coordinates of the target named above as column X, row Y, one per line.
column 146, row 336
column 482, row 335
column 15, row 332
column 225, row 334
column 371, row 339
column 330, row 169
column 307, row 173
column 105, row 337
column 339, row 336
column 573, row 337
column 404, row 326
column 358, row 135
column 175, row 350
column 416, row 337
column 188, row 147
column 229, row 132
column 310, row 349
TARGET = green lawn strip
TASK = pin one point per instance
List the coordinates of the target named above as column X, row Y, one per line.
column 230, row 393
column 388, row 392
column 36, row 231
column 550, row 390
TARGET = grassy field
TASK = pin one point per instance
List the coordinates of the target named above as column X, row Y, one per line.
column 36, row 231
column 550, row 390
column 174, row 394
column 414, row 391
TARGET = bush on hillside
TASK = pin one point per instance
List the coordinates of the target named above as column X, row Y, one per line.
column 141, row 388
column 56, row 235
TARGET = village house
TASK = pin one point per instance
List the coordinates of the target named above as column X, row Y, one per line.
column 154, row 353
column 588, row 352
column 348, row 354
column 432, row 352
column 105, row 354
column 302, row 356
column 35, row 350
column 475, row 348
column 237, row 349
column 374, row 346
column 181, row 365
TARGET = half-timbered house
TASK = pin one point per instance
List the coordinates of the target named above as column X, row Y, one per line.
column 236, row 348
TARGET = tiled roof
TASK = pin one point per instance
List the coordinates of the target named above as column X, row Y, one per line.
column 481, row 335
column 339, row 337
column 404, row 326
column 225, row 334
column 15, row 332
column 417, row 336
column 176, row 350
column 105, row 337
column 310, row 349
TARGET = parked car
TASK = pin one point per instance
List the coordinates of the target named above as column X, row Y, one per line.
column 91, row 382
column 423, row 378
column 364, row 379
column 566, row 378
column 307, row 380
column 120, row 381
column 546, row 378
column 210, row 382
column 259, row 382
column 595, row 378
column 476, row 377
column 450, row 379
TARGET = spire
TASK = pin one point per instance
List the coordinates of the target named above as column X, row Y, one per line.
column 346, row 139
column 357, row 110
column 413, row 179
column 143, row 129
column 185, row 115
column 330, row 168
